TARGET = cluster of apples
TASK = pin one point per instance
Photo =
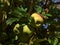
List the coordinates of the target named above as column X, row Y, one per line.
column 36, row 17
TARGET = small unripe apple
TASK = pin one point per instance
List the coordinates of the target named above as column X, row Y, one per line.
column 37, row 17
column 26, row 29
column 16, row 28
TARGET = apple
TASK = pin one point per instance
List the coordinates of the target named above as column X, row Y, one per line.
column 15, row 29
column 26, row 29
column 37, row 17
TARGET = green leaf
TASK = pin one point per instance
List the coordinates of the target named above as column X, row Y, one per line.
column 38, row 9
column 55, row 41
column 11, row 20
column 20, row 12
column 49, row 40
column 47, row 15
column 21, row 9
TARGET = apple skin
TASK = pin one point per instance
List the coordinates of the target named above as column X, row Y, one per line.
column 16, row 28
column 26, row 29
column 37, row 17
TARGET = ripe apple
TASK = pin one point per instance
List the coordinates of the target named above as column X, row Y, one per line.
column 26, row 29
column 37, row 18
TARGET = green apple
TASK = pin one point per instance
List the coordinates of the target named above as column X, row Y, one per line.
column 26, row 29
column 16, row 28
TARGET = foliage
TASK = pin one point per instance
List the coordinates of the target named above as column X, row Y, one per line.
column 17, row 27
